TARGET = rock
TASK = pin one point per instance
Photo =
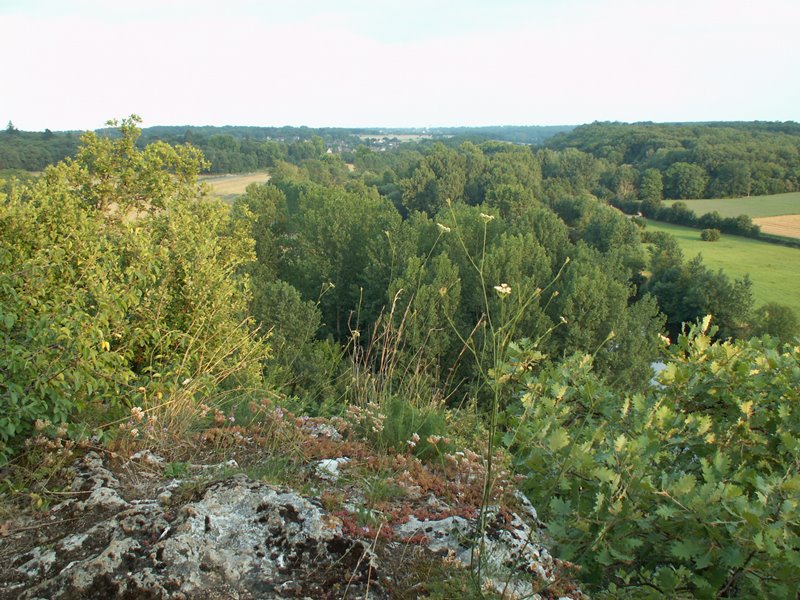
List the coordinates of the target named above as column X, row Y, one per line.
column 328, row 469
column 238, row 539
column 90, row 475
column 513, row 552
column 148, row 458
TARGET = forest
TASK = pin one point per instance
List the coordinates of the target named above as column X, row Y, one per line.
column 483, row 291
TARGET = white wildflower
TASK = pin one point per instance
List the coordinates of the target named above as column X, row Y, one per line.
column 443, row 228
column 503, row 289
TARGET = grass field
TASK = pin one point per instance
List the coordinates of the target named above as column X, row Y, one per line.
column 774, row 269
column 227, row 187
column 753, row 206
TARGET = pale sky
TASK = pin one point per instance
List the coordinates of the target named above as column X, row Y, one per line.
column 365, row 63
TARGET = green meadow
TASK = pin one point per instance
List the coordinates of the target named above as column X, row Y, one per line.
column 774, row 269
column 753, row 206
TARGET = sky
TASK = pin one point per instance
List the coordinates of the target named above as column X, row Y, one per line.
column 411, row 63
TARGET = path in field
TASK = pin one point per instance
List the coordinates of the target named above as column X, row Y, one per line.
column 227, row 187
column 785, row 225
column 774, row 269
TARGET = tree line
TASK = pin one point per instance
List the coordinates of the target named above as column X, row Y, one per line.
column 684, row 161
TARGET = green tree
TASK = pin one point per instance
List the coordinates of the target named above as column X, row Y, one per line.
column 684, row 180
column 439, row 176
column 651, row 185
column 776, row 320
column 121, row 286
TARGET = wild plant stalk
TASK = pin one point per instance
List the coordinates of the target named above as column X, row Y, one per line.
column 502, row 331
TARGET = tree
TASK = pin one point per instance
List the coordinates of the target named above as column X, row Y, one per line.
column 121, row 286
column 439, row 176
column 776, row 320
column 651, row 185
column 684, row 180
column 710, row 235
column 732, row 179
column 686, row 291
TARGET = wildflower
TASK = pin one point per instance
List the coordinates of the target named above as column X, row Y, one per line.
column 486, row 218
column 503, row 289
column 434, row 439
column 411, row 444
column 356, row 334
column 186, row 381
column 232, row 419
column 204, row 410
column 41, row 424
column 137, row 413
column 443, row 228
column 134, row 432
column 443, row 291
column 415, row 437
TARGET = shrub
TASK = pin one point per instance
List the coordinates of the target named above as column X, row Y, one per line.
column 687, row 491
column 120, row 288
column 710, row 235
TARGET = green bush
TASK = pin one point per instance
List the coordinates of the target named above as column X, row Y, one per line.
column 690, row 490
column 120, row 287
column 710, row 235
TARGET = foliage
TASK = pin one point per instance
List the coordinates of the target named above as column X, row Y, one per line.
column 696, row 160
column 710, row 235
column 776, row 320
column 686, row 291
column 688, row 490
column 121, row 287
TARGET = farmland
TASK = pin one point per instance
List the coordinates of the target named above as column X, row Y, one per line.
column 772, row 268
column 227, row 187
column 753, row 206
column 782, row 225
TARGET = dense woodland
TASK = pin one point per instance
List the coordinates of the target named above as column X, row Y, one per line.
column 481, row 285
column 714, row 160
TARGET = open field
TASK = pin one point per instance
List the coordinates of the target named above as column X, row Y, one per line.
column 753, row 206
column 774, row 269
column 227, row 187
column 784, row 225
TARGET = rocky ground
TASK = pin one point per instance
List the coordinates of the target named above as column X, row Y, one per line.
column 125, row 530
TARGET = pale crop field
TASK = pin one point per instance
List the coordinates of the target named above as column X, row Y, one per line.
column 228, row 187
column 784, row 225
